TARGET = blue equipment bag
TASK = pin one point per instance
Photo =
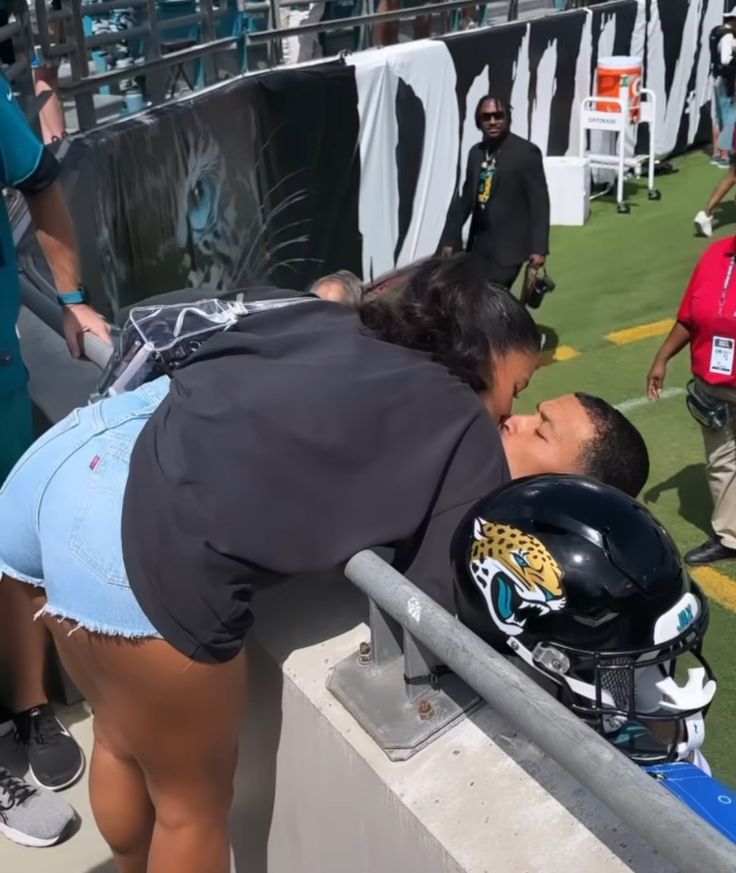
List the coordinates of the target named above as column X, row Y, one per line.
column 706, row 796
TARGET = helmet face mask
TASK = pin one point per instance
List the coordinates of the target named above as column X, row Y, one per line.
column 646, row 702
column 542, row 572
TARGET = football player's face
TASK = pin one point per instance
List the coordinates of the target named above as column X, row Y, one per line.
column 551, row 440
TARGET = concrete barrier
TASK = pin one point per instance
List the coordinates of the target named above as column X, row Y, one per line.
column 316, row 795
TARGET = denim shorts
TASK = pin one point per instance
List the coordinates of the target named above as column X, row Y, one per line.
column 61, row 510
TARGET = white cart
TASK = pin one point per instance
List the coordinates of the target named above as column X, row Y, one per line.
column 618, row 124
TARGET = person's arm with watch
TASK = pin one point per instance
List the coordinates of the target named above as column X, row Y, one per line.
column 56, row 236
column 29, row 167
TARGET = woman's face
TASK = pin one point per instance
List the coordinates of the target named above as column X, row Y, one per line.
column 511, row 374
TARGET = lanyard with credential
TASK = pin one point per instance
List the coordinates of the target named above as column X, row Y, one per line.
column 727, row 283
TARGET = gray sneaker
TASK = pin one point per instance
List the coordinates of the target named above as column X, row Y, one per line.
column 31, row 816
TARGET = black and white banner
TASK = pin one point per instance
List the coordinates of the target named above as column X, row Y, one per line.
column 282, row 176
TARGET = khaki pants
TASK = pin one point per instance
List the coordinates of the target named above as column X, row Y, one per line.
column 720, row 456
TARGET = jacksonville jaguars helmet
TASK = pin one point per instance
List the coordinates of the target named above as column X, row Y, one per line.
column 581, row 583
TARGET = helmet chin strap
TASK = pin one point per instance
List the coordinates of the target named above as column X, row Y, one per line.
column 694, row 736
column 577, row 686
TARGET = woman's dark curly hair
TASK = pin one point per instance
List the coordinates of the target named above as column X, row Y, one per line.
column 450, row 310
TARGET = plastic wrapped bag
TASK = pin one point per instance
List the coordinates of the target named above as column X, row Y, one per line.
column 155, row 340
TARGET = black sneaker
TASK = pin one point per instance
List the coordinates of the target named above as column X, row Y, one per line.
column 55, row 759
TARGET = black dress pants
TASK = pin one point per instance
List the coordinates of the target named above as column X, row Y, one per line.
column 500, row 274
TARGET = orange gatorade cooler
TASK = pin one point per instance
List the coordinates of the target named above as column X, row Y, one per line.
column 609, row 76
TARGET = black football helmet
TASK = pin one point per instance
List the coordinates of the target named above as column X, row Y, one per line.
column 581, row 583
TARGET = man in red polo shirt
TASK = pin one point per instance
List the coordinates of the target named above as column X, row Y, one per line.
column 706, row 321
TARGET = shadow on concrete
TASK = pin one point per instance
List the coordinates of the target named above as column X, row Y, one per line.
column 302, row 612
column 107, row 867
column 633, row 850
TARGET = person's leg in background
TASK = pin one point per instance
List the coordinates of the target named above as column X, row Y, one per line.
column 501, row 274
column 704, row 218
column 720, row 156
column 55, row 759
column 387, row 32
column 297, row 49
column 30, row 816
column 309, row 45
column 422, row 25
column 720, row 454
column 726, row 145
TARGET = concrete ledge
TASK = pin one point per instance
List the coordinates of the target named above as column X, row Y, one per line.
column 316, row 794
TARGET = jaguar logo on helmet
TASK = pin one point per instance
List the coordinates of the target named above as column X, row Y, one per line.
column 516, row 574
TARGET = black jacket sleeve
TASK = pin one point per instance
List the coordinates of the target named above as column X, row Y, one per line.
column 538, row 197
column 478, row 468
column 461, row 208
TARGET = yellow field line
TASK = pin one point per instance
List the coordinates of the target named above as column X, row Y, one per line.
column 561, row 353
column 640, row 332
column 717, row 586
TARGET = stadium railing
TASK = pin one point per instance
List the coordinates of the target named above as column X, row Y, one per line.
column 210, row 20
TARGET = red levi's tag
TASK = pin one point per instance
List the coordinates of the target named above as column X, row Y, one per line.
column 94, row 462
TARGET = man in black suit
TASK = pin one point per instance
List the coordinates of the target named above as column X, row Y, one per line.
column 505, row 190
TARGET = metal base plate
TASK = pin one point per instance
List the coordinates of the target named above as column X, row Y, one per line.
column 378, row 699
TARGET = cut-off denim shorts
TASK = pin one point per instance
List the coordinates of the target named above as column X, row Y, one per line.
column 61, row 509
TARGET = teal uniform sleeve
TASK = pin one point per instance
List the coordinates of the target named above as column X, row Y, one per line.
column 23, row 158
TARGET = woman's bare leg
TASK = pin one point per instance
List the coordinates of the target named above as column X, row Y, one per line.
column 120, row 801
column 119, row 797
column 179, row 721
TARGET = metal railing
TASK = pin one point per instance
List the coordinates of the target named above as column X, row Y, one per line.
column 155, row 61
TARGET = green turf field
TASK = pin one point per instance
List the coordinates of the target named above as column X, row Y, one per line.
column 622, row 271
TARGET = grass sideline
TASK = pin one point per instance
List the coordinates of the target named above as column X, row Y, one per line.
column 628, row 271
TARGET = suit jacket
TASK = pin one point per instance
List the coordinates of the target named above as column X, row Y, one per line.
column 517, row 214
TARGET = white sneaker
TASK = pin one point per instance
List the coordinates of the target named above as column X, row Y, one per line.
column 704, row 223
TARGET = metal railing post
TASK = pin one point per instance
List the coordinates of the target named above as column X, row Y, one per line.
column 209, row 62
column 386, row 636
column 394, row 689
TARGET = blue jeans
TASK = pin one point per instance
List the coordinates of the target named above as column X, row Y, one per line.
column 724, row 116
column 61, row 510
